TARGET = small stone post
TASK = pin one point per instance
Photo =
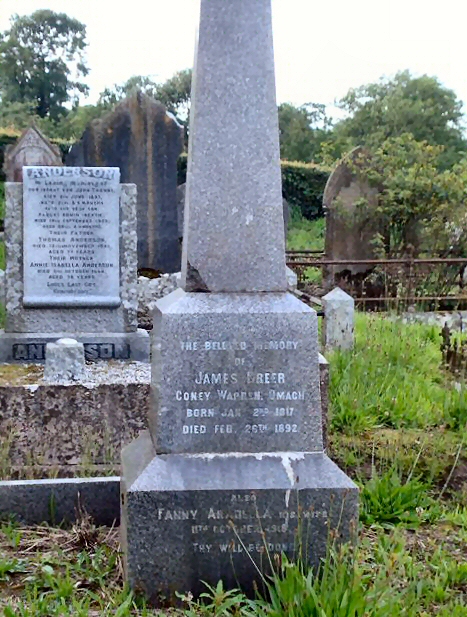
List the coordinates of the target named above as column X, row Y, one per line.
column 64, row 361
column 338, row 327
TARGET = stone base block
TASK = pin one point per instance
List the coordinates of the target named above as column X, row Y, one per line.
column 30, row 347
column 66, row 429
column 188, row 518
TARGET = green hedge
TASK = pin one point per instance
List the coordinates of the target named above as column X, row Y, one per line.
column 302, row 185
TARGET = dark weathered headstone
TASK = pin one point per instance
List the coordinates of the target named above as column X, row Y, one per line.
column 32, row 148
column 233, row 470
column 349, row 230
column 141, row 138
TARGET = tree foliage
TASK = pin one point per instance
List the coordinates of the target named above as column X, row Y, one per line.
column 420, row 106
column 302, row 131
column 174, row 93
column 42, row 62
column 420, row 208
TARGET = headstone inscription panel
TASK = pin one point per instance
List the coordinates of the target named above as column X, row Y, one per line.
column 71, row 236
column 246, row 383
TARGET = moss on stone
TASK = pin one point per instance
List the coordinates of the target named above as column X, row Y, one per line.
column 20, row 374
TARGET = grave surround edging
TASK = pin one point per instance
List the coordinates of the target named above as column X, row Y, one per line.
column 33, row 502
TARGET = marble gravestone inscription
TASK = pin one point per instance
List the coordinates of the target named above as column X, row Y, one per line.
column 71, row 236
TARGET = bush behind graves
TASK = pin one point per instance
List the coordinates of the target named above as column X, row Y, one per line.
column 303, row 186
column 420, row 208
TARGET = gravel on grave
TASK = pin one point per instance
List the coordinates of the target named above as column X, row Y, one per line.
column 115, row 371
column 95, row 374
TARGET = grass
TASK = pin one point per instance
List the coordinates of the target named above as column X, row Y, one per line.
column 396, row 571
column 394, row 379
column 303, row 234
column 398, row 427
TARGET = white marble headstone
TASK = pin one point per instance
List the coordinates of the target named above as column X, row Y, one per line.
column 71, row 236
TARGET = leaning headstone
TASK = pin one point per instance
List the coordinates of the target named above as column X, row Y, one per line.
column 232, row 471
column 64, row 361
column 338, row 323
column 141, row 138
column 32, row 148
column 349, row 232
column 71, row 265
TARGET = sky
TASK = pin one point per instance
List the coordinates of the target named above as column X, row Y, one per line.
column 322, row 48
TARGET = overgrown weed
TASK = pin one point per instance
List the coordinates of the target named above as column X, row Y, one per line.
column 393, row 378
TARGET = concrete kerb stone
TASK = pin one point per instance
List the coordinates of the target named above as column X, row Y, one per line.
column 33, row 502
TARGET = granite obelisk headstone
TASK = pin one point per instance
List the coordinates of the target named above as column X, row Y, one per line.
column 233, row 465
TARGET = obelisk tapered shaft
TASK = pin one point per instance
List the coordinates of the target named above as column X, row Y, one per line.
column 234, row 233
